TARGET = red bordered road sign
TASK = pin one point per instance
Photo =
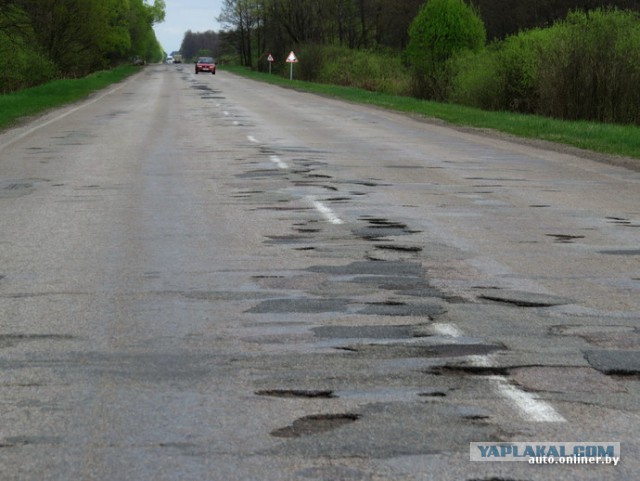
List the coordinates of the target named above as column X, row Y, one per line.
column 292, row 58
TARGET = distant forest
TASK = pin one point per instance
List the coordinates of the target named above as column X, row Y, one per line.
column 253, row 27
column 506, row 17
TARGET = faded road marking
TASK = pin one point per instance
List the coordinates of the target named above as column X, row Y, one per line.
column 276, row 160
column 326, row 212
column 529, row 407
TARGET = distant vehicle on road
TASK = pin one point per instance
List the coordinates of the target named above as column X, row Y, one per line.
column 177, row 58
column 206, row 64
column 169, row 59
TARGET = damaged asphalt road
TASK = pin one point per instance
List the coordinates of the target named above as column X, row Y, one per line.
column 213, row 279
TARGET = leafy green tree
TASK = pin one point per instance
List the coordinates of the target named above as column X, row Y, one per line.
column 442, row 29
column 142, row 17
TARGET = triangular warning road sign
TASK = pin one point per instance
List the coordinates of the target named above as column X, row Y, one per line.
column 292, row 58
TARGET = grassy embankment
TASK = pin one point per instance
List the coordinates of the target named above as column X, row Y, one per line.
column 36, row 100
column 620, row 140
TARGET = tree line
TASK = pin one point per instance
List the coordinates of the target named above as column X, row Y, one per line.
column 45, row 39
column 570, row 59
column 255, row 27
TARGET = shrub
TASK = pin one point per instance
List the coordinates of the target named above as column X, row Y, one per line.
column 23, row 65
column 371, row 70
column 442, row 29
column 518, row 64
column 591, row 69
column 474, row 79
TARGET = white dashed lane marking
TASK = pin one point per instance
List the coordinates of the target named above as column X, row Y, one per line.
column 325, row 211
column 276, row 160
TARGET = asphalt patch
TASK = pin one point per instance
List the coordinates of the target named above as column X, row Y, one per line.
column 314, row 424
column 373, row 268
column 615, row 362
column 403, row 309
column 365, row 332
column 622, row 252
column 524, row 299
column 392, row 351
column 306, row 306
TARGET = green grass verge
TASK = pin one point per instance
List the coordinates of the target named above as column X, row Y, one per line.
column 621, row 140
column 36, row 100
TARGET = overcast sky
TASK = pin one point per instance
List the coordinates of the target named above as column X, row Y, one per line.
column 183, row 15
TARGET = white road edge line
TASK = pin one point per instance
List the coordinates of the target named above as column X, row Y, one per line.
column 326, row 212
column 276, row 160
column 65, row 114
column 529, row 407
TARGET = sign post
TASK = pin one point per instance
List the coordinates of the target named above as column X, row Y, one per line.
column 291, row 59
column 270, row 60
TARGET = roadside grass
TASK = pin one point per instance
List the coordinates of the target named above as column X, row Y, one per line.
column 36, row 100
column 613, row 139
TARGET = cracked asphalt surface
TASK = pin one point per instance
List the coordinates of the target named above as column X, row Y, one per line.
column 207, row 278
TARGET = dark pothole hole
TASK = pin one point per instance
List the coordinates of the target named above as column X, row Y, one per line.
column 315, row 424
column 297, row 393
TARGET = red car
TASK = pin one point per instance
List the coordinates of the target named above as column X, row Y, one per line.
column 206, row 64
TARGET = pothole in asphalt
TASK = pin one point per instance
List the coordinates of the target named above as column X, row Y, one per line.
column 287, row 239
column 260, row 174
column 434, row 393
column 15, row 188
column 622, row 252
column 563, row 379
column 310, row 183
column 366, row 183
column 432, row 351
column 314, row 424
column 404, row 167
column 494, row 479
column 565, row 238
column 206, row 88
column 524, row 299
column 308, row 306
column 469, row 370
column 403, row 309
column 319, row 176
column 366, row 332
column 297, row 393
column 400, row 248
column 605, row 336
column 618, row 220
column 16, row 441
column 378, row 231
column 11, row 340
column 373, row 268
